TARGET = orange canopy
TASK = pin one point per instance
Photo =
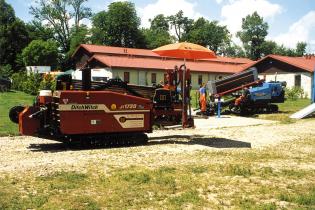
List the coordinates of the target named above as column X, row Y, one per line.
column 185, row 50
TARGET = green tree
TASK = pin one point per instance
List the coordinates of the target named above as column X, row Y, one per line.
column 158, row 33
column 100, row 28
column 5, row 71
column 281, row 50
column 209, row 34
column 156, row 39
column 271, row 47
column 13, row 36
column 37, row 30
column 78, row 36
column 57, row 14
column 233, row 50
column 79, row 12
column 118, row 26
column 285, row 51
column 268, row 47
column 181, row 24
column 253, row 34
column 300, row 48
column 197, row 32
column 159, row 23
column 41, row 53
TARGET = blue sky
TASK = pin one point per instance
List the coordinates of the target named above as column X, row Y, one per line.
column 289, row 21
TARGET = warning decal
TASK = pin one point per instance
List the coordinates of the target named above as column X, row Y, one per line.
column 130, row 120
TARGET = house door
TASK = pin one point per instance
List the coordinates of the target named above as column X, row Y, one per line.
column 142, row 78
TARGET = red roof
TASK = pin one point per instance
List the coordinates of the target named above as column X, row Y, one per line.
column 232, row 60
column 116, row 50
column 100, row 49
column 159, row 63
column 306, row 63
column 146, row 59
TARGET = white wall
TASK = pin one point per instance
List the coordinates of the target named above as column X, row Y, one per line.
column 143, row 76
column 104, row 72
column 306, row 80
column 306, row 84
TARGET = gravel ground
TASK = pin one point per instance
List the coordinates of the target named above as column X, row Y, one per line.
column 23, row 154
column 229, row 121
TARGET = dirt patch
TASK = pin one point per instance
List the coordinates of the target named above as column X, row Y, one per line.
column 229, row 121
column 167, row 146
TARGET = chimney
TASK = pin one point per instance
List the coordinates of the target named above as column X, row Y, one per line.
column 308, row 56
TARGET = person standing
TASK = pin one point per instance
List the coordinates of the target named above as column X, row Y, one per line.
column 202, row 98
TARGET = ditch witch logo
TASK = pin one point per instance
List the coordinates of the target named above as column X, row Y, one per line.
column 84, row 107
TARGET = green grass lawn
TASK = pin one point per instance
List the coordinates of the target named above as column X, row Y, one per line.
column 8, row 100
column 244, row 179
column 194, row 98
column 285, row 110
column 290, row 106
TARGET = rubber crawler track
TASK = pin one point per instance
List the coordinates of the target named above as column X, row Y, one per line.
column 106, row 140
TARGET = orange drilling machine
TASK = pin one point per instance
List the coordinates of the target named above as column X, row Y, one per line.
column 111, row 113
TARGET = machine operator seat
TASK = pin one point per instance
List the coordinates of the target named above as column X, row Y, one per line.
column 162, row 98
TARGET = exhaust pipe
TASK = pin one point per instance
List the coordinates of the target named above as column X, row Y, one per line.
column 86, row 78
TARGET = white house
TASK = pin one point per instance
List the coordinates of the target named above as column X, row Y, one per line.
column 295, row 71
column 144, row 67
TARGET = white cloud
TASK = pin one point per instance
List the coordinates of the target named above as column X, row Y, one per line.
column 233, row 12
column 167, row 7
column 301, row 30
column 311, row 47
column 219, row 1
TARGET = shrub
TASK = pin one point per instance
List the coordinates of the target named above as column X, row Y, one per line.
column 18, row 80
column 31, row 86
column 40, row 53
column 5, row 71
column 294, row 93
column 27, row 83
column 48, row 83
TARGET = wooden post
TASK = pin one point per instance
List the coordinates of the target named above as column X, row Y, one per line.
column 219, row 107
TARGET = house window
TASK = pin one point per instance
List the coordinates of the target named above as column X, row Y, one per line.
column 165, row 78
column 297, row 80
column 127, row 77
column 199, row 79
column 153, row 78
column 100, row 79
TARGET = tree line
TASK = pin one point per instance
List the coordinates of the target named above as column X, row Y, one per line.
column 57, row 29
